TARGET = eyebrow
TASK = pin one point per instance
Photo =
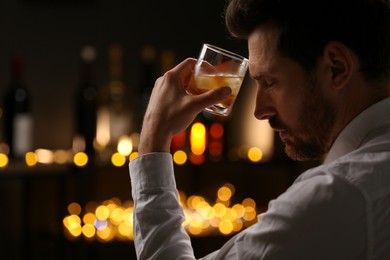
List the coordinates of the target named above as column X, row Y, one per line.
column 268, row 72
column 258, row 76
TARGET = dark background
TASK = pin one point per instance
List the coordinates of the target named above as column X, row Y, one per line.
column 50, row 35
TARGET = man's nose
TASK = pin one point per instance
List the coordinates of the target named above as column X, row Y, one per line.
column 264, row 105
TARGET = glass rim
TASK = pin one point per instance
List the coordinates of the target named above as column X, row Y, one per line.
column 226, row 52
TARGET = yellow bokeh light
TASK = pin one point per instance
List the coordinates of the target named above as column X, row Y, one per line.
column 224, row 193
column 88, row 230
column 118, row 159
column 250, row 214
column 73, row 224
column 226, row 227
column 74, row 208
column 125, row 146
column 202, row 204
column 112, row 219
column 111, row 204
column 195, row 230
column 89, row 218
column 44, row 156
column 102, row 212
column 73, row 219
column 80, row 159
column 133, row 155
column 249, row 202
column 75, row 229
column 219, row 209
column 128, row 218
column 106, row 234
column 66, row 222
column 207, row 212
column 231, row 187
column 198, row 138
column 194, row 200
column 3, row 160
column 113, row 201
column 239, row 210
column 182, row 198
column 180, row 157
column 215, row 222
column 31, row 159
column 187, row 218
column 125, row 230
column 229, row 214
column 255, row 154
column 237, row 225
column 117, row 216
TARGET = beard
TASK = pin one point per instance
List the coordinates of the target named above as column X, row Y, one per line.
column 311, row 138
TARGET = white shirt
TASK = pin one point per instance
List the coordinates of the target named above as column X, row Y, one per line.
column 339, row 210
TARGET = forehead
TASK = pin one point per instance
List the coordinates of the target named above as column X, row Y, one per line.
column 262, row 47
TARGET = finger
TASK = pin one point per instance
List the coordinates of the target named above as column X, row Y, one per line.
column 207, row 68
column 184, row 67
column 212, row 97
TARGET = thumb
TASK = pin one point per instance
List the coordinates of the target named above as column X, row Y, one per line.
column 213, row 96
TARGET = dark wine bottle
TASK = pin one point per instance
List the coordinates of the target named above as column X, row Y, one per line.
column 86, row 104
column 18, row 118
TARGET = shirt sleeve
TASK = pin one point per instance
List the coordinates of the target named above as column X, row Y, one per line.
column 158, row 215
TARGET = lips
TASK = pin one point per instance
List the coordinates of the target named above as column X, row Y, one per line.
column 277, row 127
column 282, row 134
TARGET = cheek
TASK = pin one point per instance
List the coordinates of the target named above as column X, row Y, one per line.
column 290, row 106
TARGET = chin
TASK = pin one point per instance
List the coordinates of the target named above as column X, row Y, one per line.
column 303, row 153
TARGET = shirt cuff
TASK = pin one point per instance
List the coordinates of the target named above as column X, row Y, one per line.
column 152, row 170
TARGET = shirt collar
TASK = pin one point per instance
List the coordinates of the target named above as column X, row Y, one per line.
column 352, row 136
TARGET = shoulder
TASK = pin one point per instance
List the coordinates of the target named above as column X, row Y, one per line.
column 367, row 170
column 322, row 189
column 316, row 207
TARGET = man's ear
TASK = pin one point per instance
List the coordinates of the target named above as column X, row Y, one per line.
column 341, row 63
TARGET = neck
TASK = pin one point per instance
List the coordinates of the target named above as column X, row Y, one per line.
column 355, row 99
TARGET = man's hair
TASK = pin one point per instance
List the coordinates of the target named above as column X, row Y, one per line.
column 306, row 26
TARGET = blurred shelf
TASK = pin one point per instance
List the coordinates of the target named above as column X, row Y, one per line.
column 18, row 169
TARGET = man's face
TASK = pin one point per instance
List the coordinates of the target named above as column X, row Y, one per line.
column 290, row 98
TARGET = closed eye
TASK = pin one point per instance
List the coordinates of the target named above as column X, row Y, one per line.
column 268, row 83
column 265, row 82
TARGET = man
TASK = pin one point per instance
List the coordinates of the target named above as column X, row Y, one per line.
column 322, row 72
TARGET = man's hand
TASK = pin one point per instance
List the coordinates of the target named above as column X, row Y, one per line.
column 171, row 110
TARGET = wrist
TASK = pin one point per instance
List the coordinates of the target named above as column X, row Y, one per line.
column 154, row 141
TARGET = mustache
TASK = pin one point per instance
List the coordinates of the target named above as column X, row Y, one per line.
column 275, row 123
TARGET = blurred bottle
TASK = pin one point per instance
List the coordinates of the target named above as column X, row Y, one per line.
column 115, row 118
column 86, row 104
column 18, row 118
